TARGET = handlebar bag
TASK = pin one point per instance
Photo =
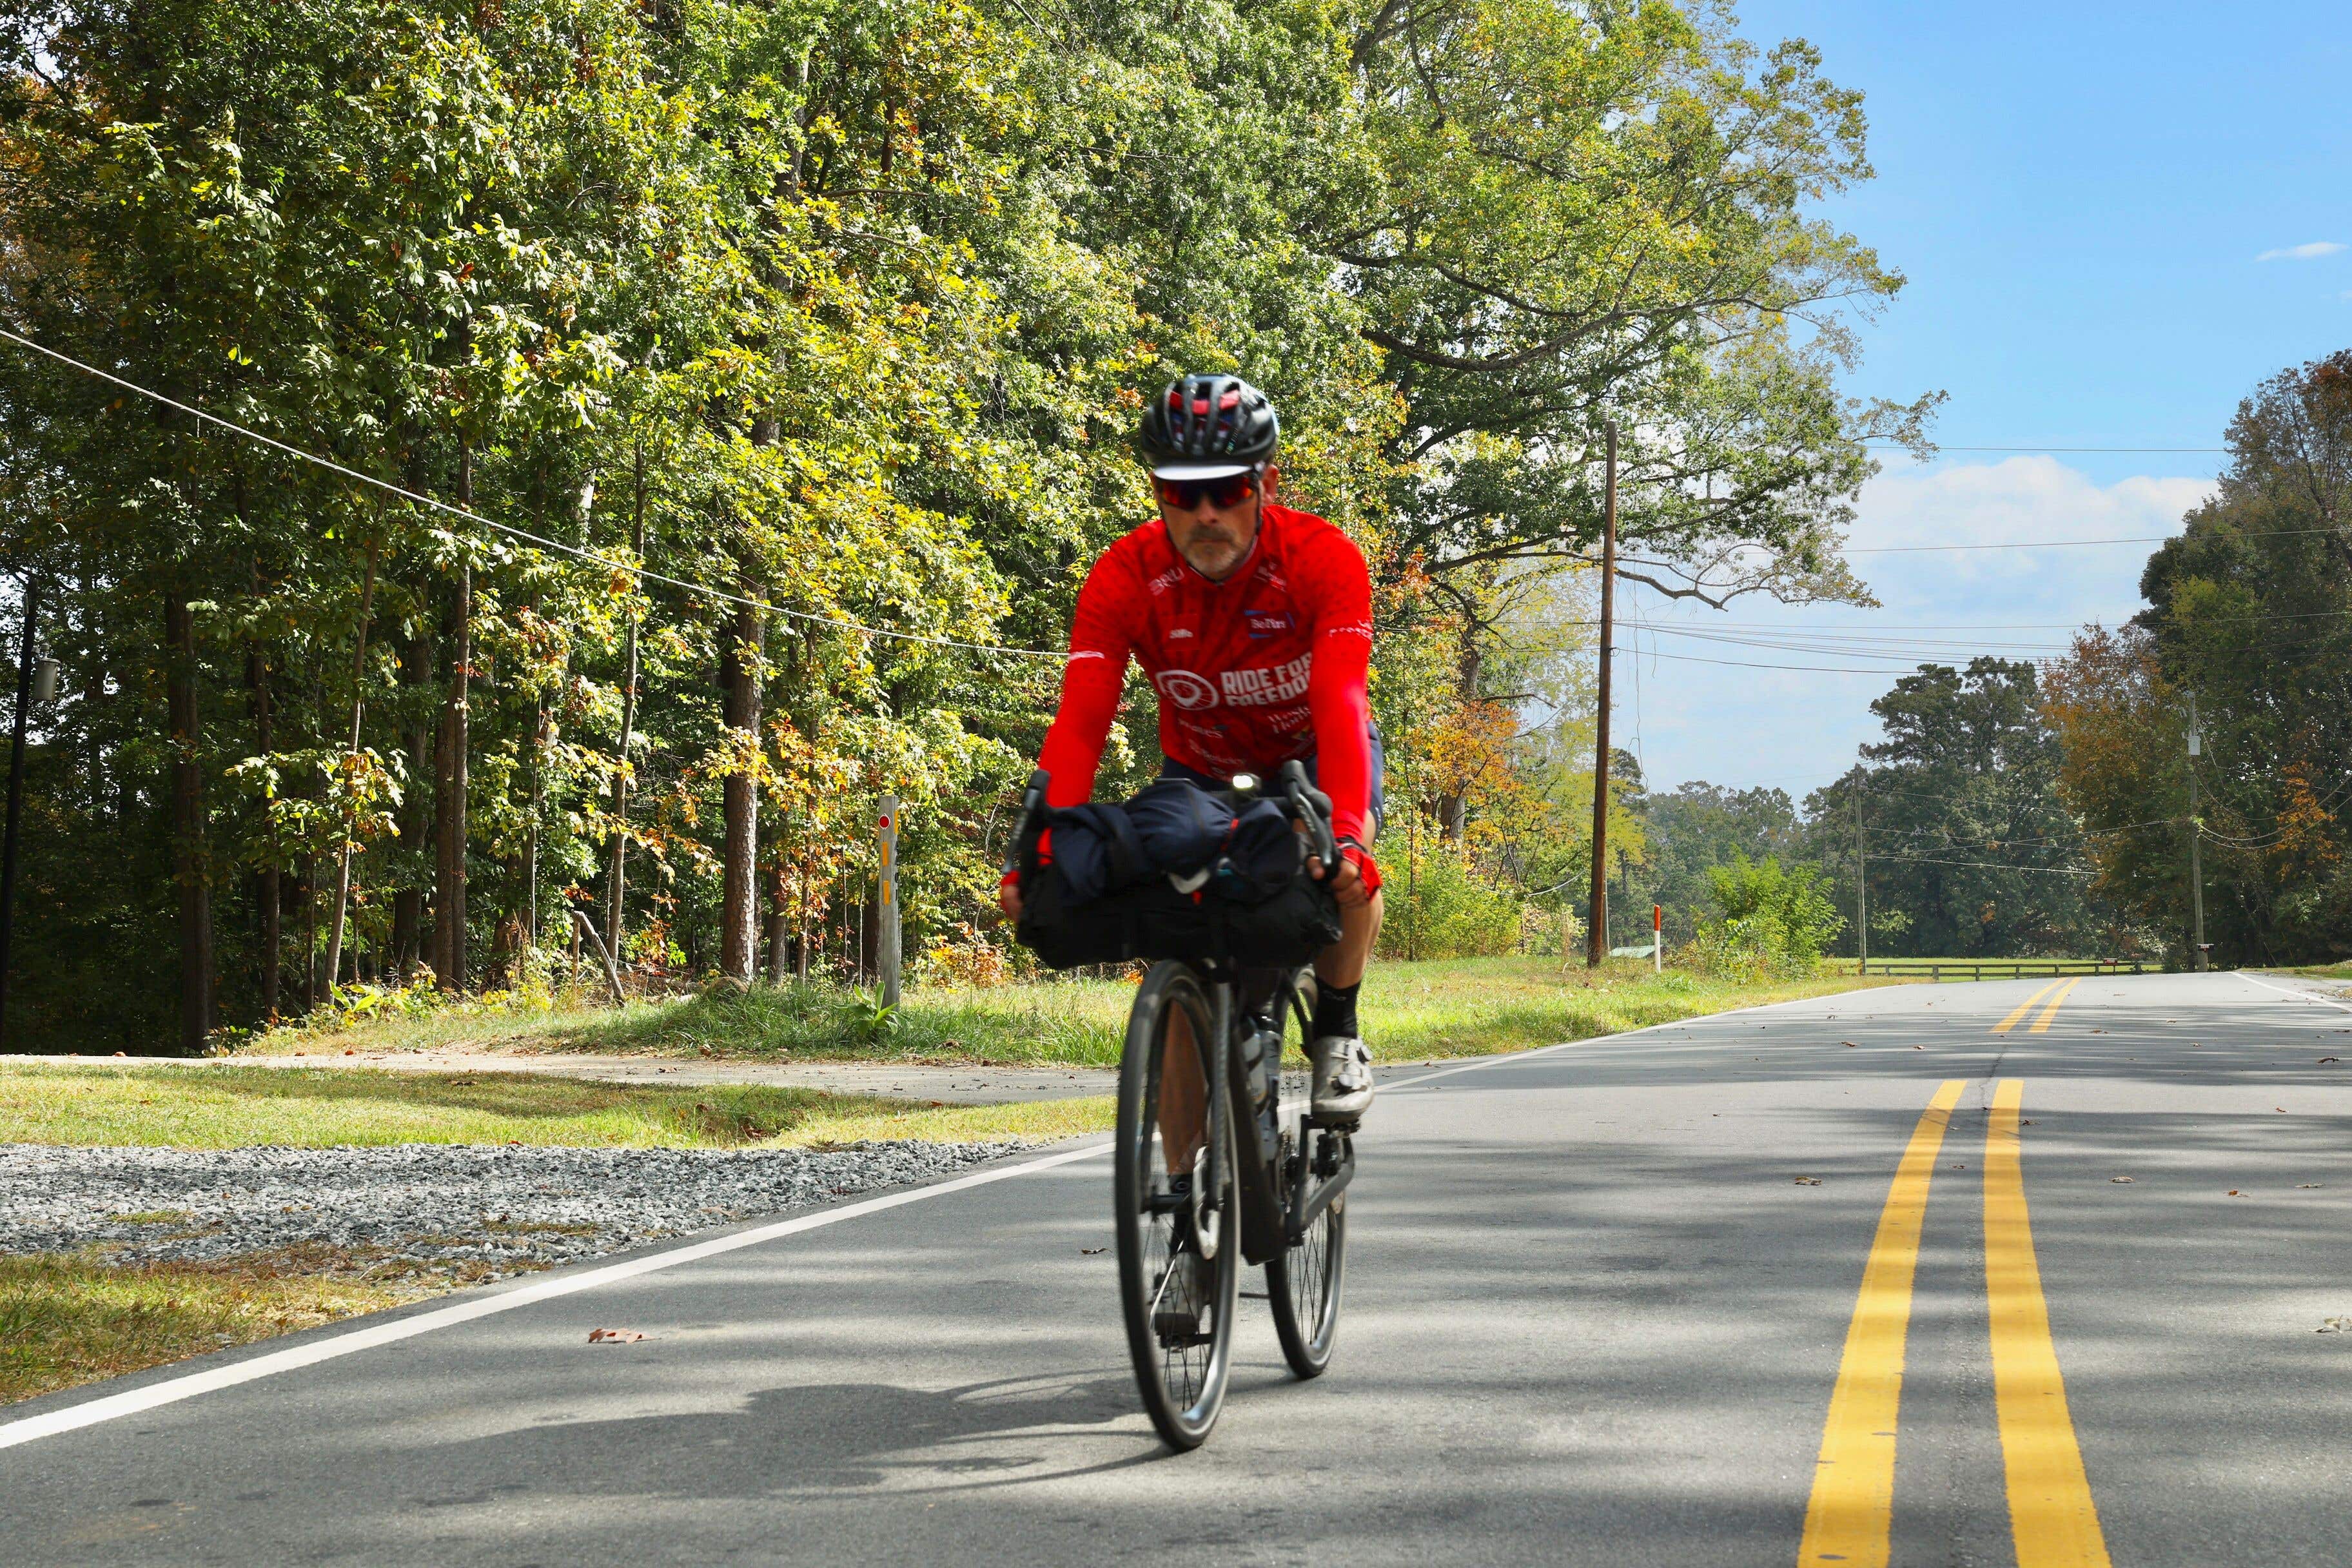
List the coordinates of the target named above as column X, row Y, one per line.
column 1175, row 873
column 1153, row 920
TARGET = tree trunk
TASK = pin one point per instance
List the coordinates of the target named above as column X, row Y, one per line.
column 309, row 935
column 618, row 885
column 266, row 898
column 1454, row 804
column 449, row 879
column 415, row 818
column 188, row 825
column 780, row 936
column 739, row 676
column 359, row 711
column 539, row 739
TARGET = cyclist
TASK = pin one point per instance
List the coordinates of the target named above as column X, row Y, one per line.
column 1255, row 623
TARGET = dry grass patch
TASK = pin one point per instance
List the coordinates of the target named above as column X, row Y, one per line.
column 223, row 1105
column 72, row 1319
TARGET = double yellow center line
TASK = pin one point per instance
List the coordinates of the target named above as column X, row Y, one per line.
column 2040, row 1025
column 2053, row 1519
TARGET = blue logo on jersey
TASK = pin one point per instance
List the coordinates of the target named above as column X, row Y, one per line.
column 1268, row 623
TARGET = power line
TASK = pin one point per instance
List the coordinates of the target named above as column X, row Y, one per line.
column 609, row 561
column 1754, row 664
column 1984, row 865
column 2062, row 543
column 1940, row 447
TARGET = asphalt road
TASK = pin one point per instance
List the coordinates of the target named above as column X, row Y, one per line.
column 1593, row 1317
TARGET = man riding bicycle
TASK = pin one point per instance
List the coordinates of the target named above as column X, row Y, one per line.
column 1255, row 623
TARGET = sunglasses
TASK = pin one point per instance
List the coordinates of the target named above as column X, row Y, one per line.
column 1186, row 495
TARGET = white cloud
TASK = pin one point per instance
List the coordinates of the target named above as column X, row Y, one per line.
column 2311, row 252
column 1799, row 728
column 2021, row 500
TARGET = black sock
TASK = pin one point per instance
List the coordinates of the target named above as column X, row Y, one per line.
column 1335, row 1009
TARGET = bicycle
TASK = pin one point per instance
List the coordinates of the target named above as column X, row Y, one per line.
column 1253, row 1177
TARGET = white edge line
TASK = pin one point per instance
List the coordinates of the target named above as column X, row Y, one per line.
column 115, row 1406
column 2290, row 990
column 171, row 1390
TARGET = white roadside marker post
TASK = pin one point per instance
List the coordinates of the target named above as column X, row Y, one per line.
column 886, row 943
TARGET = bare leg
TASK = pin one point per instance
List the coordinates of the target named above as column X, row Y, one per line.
column 1183, row 1095
column 1344, row 961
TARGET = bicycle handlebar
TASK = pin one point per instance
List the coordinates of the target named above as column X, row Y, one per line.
column 1313, row 806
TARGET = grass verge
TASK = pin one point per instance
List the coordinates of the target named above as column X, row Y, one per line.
column 71, row 1319
column 223, row 1105
column 1452, row 1007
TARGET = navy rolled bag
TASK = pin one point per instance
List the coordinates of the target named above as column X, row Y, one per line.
column 1177, row 872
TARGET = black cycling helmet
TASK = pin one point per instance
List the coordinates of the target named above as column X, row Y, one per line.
column 1207, row 426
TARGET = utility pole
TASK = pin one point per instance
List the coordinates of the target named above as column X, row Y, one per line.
column 2195, row 834
column 1861, row 882
column 1596, row 940
column 15, row 786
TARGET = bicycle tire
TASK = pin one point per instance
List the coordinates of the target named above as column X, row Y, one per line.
column 1183, row 1383
column 1302, row 1285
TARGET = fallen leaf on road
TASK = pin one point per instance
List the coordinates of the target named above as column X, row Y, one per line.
column 1808, row 1181
column 2120, row 1181
column 1847, row 1044
column 2325, row 1060
column 2235, row 1194
column 2337, row 1326
column 2026, row 1122
column 613, row 1336
column 1088, row 1251
column 2280, row 1109
column 1918, row 1048
column 2307, row 1186
column 1960, row 1167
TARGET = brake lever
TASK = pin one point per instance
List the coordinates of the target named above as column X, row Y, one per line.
column 1024, row 843
column 1314, row 808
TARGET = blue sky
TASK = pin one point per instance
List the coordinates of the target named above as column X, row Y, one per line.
column 2083, row 198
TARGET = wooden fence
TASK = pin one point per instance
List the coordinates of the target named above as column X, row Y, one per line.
column 1942, row 969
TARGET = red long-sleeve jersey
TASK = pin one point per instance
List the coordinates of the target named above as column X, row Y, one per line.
column 1267, row 666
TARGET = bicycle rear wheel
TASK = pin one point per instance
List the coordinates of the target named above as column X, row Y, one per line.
column 1303, row 1284
column 1178, row 1236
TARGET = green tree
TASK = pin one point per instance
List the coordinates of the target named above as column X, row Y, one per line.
column 2247, row 615
column 1972, row 849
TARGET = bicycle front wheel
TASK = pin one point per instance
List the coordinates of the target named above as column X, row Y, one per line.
column 1178, row 1208
column 1302, row 1284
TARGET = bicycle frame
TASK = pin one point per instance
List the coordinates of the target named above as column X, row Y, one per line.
column 1278, row 1204
column 1280, row 1197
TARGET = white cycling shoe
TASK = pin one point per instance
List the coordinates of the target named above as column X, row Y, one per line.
column 1343, row 1079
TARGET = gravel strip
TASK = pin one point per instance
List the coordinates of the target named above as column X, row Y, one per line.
column 433, row 1204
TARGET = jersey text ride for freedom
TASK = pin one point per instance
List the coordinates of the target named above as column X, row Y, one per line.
column 1267, row 666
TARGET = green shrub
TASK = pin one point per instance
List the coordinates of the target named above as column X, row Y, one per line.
column 1772, row 922
column 1441, row 906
